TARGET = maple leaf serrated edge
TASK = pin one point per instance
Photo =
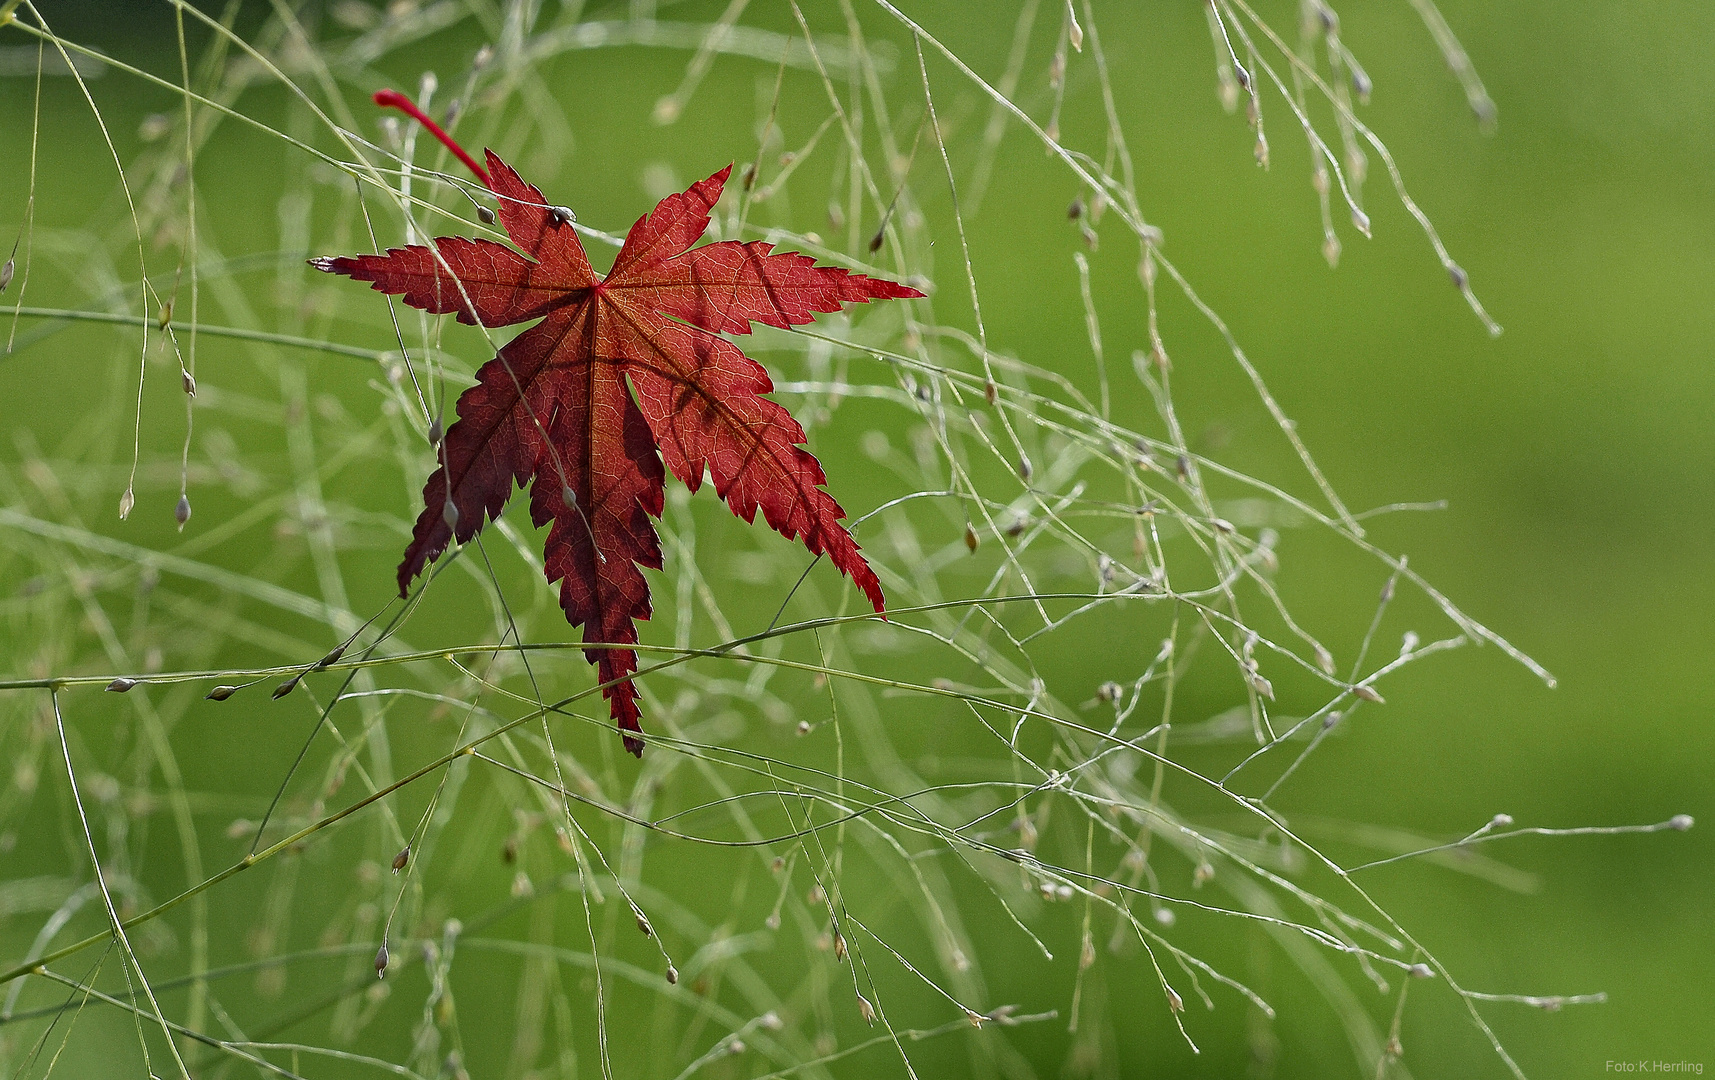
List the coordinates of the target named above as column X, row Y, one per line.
column 559, row 286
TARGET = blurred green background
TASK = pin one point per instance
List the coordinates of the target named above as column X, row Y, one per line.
column 1575, row 452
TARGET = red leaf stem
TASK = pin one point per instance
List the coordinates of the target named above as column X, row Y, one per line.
column 393, row 99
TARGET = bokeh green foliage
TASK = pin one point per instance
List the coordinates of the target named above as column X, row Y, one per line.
column 1573, row 453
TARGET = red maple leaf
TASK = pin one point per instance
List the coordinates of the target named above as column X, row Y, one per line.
column 621, row 372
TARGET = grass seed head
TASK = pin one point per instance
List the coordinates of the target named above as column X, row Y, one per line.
column 1361, row 85
column 1324, row 660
